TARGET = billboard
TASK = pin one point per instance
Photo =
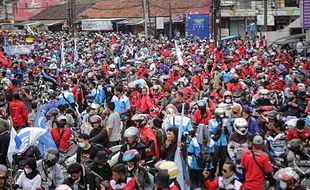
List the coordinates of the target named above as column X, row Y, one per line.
column 198, row 25
column 97, row 25
column 306, row 12
column 28, row 8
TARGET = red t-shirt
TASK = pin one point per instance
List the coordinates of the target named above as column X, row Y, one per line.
column 197, row 119
column 254, row 176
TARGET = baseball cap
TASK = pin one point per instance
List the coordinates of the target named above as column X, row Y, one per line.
column 258, row 140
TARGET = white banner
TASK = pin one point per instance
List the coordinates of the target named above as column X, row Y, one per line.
column 97, row 24
column 160, row 23
column 20, row 49
column 270, row 20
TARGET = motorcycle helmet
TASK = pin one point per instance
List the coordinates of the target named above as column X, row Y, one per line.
column 141, row 118
column 131, row 156
column 51, row 157
column 227, row 97
column 52, row 112
column 287, row 177
column 169, row 166
column 219, row 112
column 241, row 126
column 95, row 119
column 61, row 121
column 53, row 66
column 131, row 132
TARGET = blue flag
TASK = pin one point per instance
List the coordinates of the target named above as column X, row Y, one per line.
column 45, row 141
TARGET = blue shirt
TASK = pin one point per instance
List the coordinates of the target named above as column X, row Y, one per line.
column 175, row 121
column 226, row 76
column 121, row 104
column 194, row 149
column 223, row 140
column 69, row 98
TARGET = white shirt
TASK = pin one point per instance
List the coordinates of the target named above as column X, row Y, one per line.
column 29, row 184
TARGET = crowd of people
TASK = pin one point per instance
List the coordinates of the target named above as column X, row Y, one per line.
column 184, row 113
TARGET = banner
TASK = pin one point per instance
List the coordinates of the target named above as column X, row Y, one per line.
column 198, row 25
column 306, row 14
column 20, row 50
column 160, row 25
column 97, row 24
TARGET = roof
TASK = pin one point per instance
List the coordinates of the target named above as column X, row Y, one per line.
column 59, row 12
column 133, row 8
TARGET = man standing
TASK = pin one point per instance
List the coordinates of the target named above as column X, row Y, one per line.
column 113, row 125
column 122, row 104
column 257, row 165
column 18, row 112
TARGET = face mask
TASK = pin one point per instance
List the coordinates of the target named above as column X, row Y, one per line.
column 28, row 171
column 228, row 100
column 82, row 145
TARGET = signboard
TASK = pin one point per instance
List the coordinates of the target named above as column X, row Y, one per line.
column 97, row 25
column 160, row 23
column 306, row 11
column 270, row 20
column 198, row 25
column 20, row 50
column 177, row 18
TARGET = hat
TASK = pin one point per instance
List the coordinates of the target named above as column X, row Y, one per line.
column 236, row 110
column 258, row 140
column 102, row 156
column 162, row 179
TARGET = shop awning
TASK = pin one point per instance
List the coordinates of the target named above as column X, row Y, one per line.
column 131, row 21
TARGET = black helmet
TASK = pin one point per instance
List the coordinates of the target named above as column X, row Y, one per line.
column 51, row 157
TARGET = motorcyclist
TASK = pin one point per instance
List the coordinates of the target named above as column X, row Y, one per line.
column 50, row 171
column 80, row 179
column 300, row 132
column 98, row 134
column 132, row 158
column 61, row 134
column 202, row 115
column 166, row 169
column 237, row 140
column 220, row 130
column 132, row 141
column 147, row 137
column 101, row 166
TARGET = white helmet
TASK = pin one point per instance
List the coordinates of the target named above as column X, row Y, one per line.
column 112, row 66
column 241, row 126
column 183, row 80
column 131, row 132
column 53, row 66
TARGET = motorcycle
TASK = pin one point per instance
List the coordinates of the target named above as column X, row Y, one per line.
column 292, row 178
column 278, row 149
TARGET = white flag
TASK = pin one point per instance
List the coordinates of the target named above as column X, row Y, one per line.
column 21, row 141
column 179, row 54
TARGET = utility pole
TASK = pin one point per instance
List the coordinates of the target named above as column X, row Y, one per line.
column 71, row 15
column 265, row 15
column 215, row 5
column 220, row 20
column 170, row 19
column 145, row 16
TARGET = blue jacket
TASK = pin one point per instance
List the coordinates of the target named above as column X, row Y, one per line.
column 253, row 126
column 195, row 150
column 223, row 140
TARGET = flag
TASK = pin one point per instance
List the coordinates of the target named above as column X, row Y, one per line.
column 182, row 177
column 46, row 140
column 113, row 40
column 179, row 54
column 62, row 54
column 28, row 29
column 15, row 143
column 3, row 59
column 6, row 46
column 24, row 139
column 76, row 55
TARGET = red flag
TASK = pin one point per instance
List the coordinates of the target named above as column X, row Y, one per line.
column 113, row 40
column 3, row 60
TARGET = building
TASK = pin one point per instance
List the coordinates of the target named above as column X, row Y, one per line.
column 237, row 15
